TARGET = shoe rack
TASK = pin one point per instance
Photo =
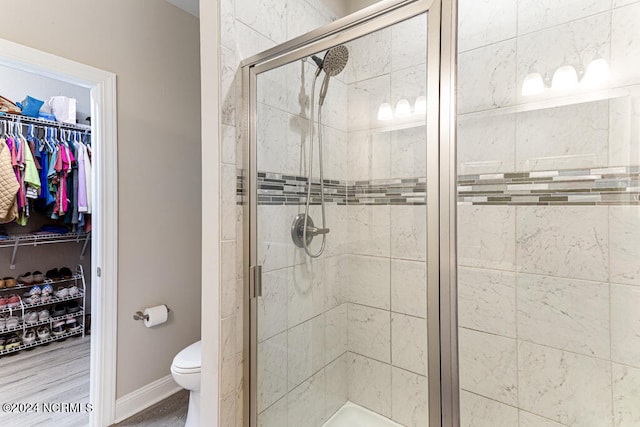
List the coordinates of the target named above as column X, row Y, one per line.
column 77, row 279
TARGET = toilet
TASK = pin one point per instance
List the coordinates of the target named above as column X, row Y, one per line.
column 185, row 370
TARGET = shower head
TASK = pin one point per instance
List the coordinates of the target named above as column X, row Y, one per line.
column 333, row 63
column 335, row 60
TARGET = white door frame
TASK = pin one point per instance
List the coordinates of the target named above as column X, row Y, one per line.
column 104, row 242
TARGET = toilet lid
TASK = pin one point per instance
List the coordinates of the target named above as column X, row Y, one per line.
column 189, row 358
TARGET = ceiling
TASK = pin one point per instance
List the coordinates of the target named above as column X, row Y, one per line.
column 190, row 6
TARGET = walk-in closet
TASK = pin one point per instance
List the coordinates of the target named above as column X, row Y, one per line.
column 46, row 181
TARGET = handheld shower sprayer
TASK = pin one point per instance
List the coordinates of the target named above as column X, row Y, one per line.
column 303, row 230
column 333, row 63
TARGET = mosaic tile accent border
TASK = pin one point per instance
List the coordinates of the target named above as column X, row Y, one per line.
column 277, row 189
column 597, row 186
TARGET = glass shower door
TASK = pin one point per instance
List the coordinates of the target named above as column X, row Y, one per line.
column 342, row 326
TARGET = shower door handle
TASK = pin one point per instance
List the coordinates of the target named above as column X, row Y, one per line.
column 255, row 281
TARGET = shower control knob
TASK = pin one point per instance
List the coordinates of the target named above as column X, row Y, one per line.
column 298, row 234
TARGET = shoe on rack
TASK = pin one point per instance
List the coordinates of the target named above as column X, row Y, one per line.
column 73, row 307
column 13, row 341
column 58, row 327
column 59, row 310
column 53, row 274
column 43, row 332
column 29, row 336
column 61, row 292
column 26, row 278
column 66, row 273
column 43, row 315
column 73, row 325
column 30, row 317
column 31, row 299
column 14, row 301
column 47, row 290
column 74, row 291
column 12, row 322
column 38, row 277
column 9, row 282
column 4, row 302
column 3, row 322
column 3, row 341
column 35, row 290
column 70, row 323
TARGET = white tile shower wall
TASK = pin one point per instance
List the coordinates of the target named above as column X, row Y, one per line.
column 547, row 376
column 487, row 77
column 486, row 144
column 479, row 411
column 488, row 365
column 549, row 330
column 485, row 22
column 569, row 137
column 387, row 327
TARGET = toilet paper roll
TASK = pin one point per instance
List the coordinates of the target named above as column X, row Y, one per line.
column 155, row 315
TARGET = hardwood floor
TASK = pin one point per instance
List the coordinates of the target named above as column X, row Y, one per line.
column 52, row 374
column 170, row 412
column 59, row 373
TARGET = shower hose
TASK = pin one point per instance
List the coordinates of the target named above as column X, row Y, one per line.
column 321, row 166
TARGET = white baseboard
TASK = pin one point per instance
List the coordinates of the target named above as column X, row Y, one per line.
column 144, row 397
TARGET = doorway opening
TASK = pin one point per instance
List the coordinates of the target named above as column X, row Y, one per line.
column 102, row 274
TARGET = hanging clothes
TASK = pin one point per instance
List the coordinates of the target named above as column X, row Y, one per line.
column 31, row 176
column 51, row 173
column 8, row 185
column 88, row 176
column 83, row 205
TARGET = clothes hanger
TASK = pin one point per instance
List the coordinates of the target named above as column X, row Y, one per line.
column 87, row 140
column 50, row 142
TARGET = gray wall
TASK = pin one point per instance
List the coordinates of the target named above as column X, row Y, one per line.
column 153, row 48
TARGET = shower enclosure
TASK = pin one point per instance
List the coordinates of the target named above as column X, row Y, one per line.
column 430, row 249
column 338, row 194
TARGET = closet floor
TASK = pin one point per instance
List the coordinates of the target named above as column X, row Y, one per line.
column 57, row 373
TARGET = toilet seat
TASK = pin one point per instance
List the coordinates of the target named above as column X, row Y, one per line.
column 185, row 371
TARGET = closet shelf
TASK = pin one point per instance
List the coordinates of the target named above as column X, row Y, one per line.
column 46, row 282
column 18, row 240
column 23, row 326
column 43, row 122
column 52, row 300
column 38, row 342
column 37, row 239
column 20, row 310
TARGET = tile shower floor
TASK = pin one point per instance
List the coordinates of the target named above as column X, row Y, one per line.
column 56, row 373
column 352, row 415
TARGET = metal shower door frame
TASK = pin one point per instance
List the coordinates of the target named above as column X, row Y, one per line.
column 441, row 188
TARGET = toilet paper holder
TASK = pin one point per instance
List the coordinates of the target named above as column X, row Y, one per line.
column 138, row 315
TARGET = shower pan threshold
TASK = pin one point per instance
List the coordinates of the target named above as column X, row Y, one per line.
column 352, row 415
